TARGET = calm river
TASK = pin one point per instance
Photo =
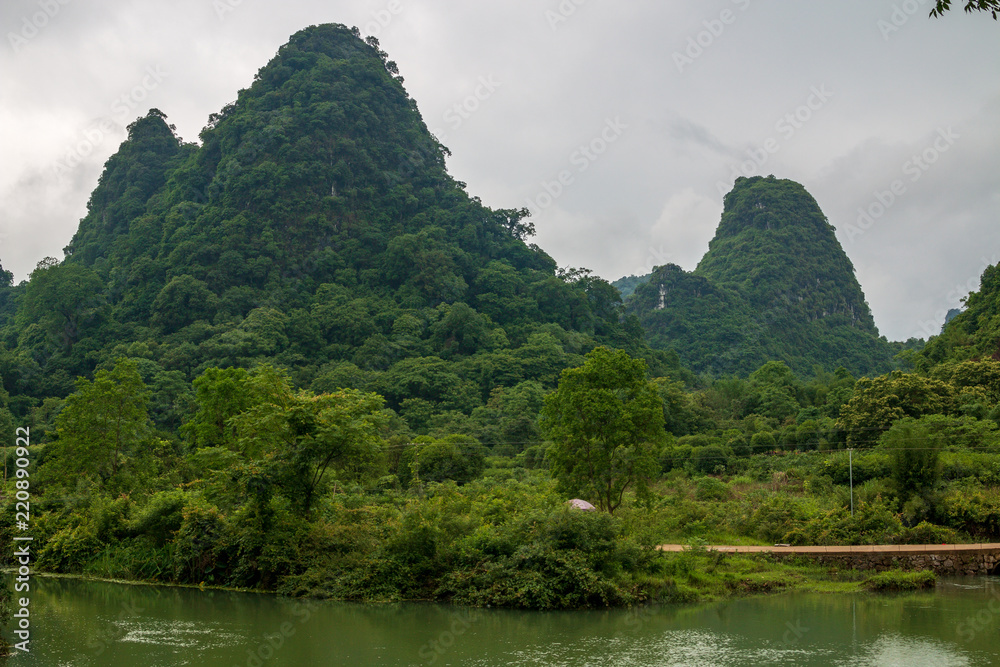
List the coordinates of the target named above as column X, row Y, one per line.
column 88, row 623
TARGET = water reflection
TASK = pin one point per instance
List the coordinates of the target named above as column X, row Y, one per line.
column 80, row 623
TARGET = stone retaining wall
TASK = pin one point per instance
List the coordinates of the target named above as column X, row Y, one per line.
column 945, row 563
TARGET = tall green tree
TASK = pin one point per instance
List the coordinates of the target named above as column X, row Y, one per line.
column 62, row 298
column 102, row 423
column 456, row 457
column 915, row 450
column 6, row 277
column 303, row 437
column 879, row 402
column 182, row 301
column 223, row 393
column 605, row 421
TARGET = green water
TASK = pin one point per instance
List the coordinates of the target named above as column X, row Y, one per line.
column 90, row 623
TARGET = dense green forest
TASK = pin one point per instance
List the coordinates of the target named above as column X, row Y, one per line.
column 314, row 228
column 774, row 285
column 297, row 356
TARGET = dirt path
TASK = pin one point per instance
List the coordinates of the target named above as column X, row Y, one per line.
column 870, row 548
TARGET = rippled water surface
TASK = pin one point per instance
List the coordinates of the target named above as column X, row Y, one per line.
column 89, row 623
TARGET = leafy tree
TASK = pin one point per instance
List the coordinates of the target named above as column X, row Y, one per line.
column 430, row 379
column 426, row 263
column 260, row 334
column 981, row 373
column 763, row 441
column 340, row 375
column 102, row 423
column 454, row 457
column 774, row 391
column 341, row 318
column 605, row 304
column 304, row 436
column 510, row 416
column 515, row 222
column 878, row 403
column 519, row 408
column 680, row 413
column 182, row 301
column 543, row 358
column 606, row 424
column 460, row 330
column 991, row 6
column 915, row 450
column 501, row 293
column 220, row 395
column 223, row 393
column 710, row 459
column 62, row 298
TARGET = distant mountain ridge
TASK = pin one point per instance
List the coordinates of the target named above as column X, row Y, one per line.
column 774, row 284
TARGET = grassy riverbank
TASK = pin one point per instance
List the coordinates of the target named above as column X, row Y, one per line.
column 506, row 539
column 697, row 575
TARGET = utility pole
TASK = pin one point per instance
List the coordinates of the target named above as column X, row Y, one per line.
column 850, row 468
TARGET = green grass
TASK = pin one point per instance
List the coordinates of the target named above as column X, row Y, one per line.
column 133, row 562
column 699, row 576
column 899, row 580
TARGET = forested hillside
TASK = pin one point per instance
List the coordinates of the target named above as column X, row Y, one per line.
column 973, row 333
column 774, row 285
column 297, row 356
column 315, row 228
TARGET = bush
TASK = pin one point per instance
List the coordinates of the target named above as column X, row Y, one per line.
column 819, row 485
column 70, row 549
column 549, row 559
column 454, row 457
column 710, row 488
column 108, row 517
column 675, row 458
column 535, row 577
column 533, row 457
column 981, row 466
column 975, row 513
column 198, row 539
column 266, row 547
column 927, row 533
column 161, row 517
column 772, row 520
column 710, row 459
column 871, row 524
column 898, row 580
column 867, row 465
column 871, row 491
column 560, row 560
column 763, row 441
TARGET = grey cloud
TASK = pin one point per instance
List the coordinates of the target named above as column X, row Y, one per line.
column 686, row 130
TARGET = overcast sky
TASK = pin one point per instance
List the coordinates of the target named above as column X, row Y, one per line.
column 620, row 124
